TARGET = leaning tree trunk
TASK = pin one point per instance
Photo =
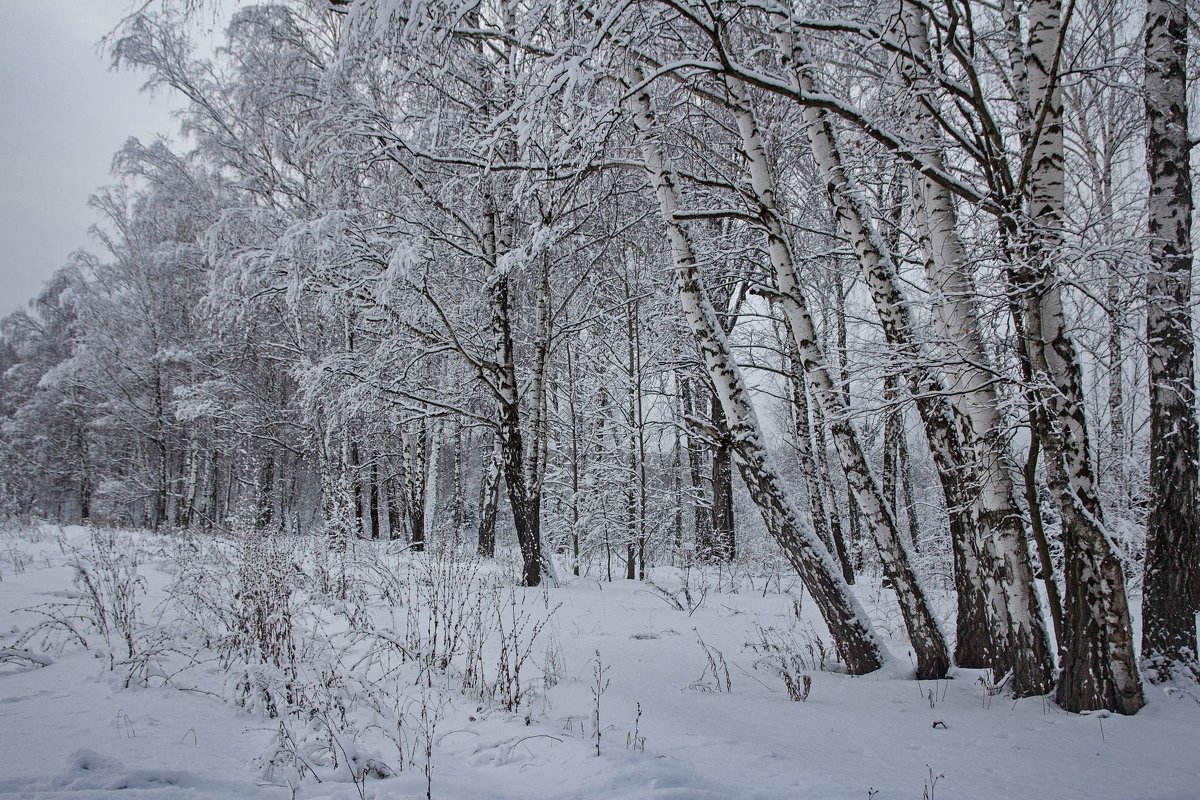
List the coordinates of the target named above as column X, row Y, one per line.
column 852, row 633
column 1098, row 667
column 1172, row 581
column 1003, row 551
column 828, row 494
column 808, row 463
column 929, row 644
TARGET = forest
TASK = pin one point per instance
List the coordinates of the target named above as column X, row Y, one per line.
column 483, row 315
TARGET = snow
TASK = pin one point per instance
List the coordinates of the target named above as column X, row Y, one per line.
column 72, row 729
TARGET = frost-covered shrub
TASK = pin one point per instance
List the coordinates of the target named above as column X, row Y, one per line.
column 791, row 653
column 236, row 600
column 260, row 646
column 102, row 609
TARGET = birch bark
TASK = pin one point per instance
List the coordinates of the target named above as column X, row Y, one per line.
column 1001, row 543
column 853, row 635
column 1098, row 668
column 929, row 644
column 1172, row 581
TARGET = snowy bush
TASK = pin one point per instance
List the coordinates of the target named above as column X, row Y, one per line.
column 104, row 603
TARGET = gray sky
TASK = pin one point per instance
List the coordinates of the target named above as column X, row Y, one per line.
column 62, row 116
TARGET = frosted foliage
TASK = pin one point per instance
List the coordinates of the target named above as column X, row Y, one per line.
column 457, row 358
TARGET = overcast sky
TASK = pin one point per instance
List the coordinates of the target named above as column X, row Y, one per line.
column 62, row 116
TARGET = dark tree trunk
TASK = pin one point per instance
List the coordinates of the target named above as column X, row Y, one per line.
column 724, row 537
column 394, row 514
column 1172, row 580
column 85, row 478
column 212, row 512
column 373, row 498
column 356, row 485
column 264, row 512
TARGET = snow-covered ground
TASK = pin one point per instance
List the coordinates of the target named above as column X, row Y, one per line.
column 384, row 663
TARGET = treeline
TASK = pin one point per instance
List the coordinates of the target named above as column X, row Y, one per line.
column 417, row 270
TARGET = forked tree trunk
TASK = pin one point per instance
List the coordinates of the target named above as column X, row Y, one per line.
column 1020, row 639
column 852, row 633
column 1098, row 665
column 525, row 510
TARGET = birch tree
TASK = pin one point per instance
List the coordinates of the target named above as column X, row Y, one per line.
column 1098, row 666
column 1172, row 583
column 852, row 633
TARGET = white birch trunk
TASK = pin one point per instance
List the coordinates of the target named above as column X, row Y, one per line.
column 1098, row 668
column 933, row 656
column 1013, row 607
column 852, row 632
